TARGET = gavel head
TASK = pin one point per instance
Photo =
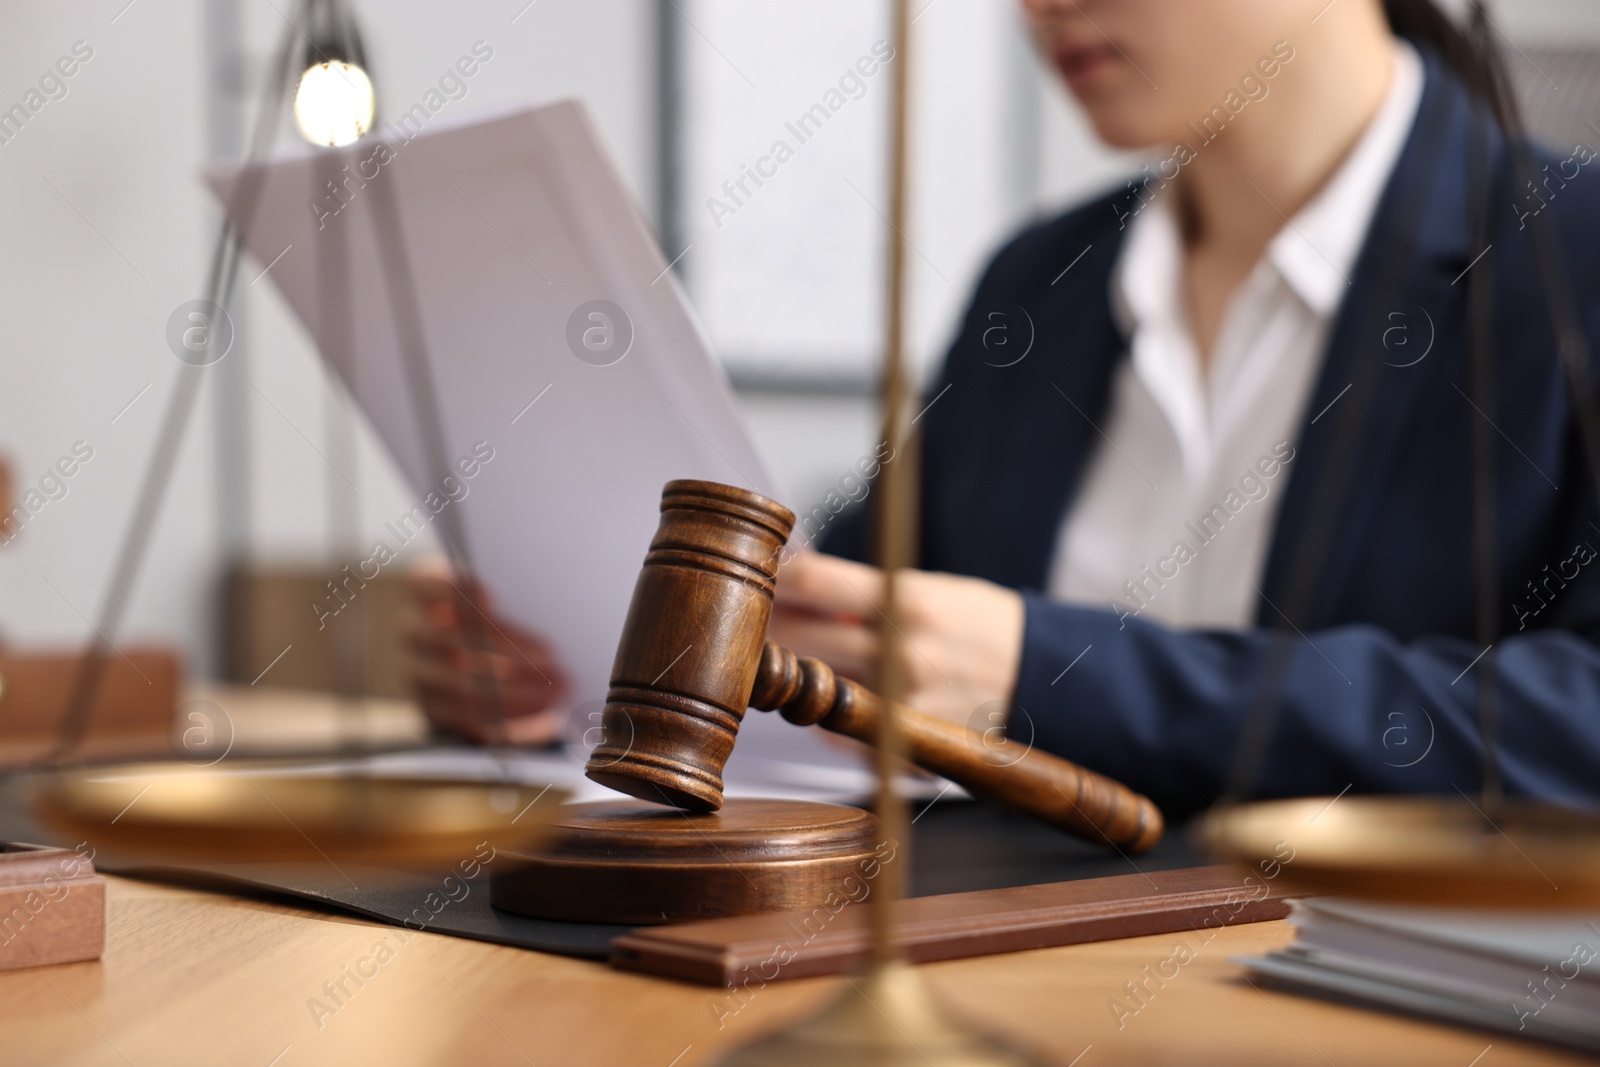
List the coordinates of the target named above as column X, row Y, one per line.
column 691, row 646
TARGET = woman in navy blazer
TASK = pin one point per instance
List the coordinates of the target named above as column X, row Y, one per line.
column 1429, row 575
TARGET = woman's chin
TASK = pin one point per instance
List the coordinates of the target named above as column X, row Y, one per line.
column 1129, row 127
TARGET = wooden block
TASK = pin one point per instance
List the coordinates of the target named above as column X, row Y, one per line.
column 804, row 944
column 52, row 907
column 131, row 716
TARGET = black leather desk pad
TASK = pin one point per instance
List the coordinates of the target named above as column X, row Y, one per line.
column 957, row 845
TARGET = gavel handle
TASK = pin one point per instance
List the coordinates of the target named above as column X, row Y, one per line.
column 1051, row 789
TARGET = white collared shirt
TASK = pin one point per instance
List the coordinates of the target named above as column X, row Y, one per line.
column 1176, row 510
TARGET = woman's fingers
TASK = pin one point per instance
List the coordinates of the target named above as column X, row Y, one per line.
column 467, row 719
column 484, row 652
column 483, row 708
column 475, row 674
column 961, row 638
column 850, row 648
column 499, row 694
column 828, row 585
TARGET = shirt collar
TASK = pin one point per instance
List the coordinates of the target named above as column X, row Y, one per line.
column 1314, row 253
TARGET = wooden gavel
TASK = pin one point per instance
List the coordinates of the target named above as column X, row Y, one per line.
column 692, row 658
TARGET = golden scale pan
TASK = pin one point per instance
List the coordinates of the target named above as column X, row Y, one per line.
column 1439, row 851
column 270, row 811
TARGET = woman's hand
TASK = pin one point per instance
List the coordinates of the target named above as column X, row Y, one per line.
column 963, row 636
column 478, row 675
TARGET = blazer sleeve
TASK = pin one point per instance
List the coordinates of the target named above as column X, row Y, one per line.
column 848, row 534
column 1359, row 710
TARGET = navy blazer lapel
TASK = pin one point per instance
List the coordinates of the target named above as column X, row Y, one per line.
column 1072, row 403
column 1427, row 191
column 1007, row 441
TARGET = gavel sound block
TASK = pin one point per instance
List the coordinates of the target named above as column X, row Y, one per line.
column 643, row 864
column 692, row 659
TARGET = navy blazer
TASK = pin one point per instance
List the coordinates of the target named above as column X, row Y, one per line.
column 1377, row 695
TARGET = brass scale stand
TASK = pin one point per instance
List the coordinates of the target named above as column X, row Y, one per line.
column 248, row 810
column 1429, row 849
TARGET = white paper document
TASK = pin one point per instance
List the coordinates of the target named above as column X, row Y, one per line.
column 1532, row 974
column 570, row 378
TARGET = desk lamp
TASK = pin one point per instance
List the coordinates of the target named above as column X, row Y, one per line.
column 334, row 102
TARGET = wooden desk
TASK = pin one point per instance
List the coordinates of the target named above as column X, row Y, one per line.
column 199, row 978
column 196, row 978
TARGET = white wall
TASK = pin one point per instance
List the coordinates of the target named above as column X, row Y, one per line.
column 101, row 238
column 90, row 274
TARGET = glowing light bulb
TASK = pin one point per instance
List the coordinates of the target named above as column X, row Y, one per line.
column 334, row 103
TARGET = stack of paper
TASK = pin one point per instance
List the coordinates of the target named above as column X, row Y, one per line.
column 1537, row 975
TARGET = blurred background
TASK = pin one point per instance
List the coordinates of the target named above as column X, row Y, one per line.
column 107, row 230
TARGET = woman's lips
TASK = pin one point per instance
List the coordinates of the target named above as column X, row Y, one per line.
column 1082, row 65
